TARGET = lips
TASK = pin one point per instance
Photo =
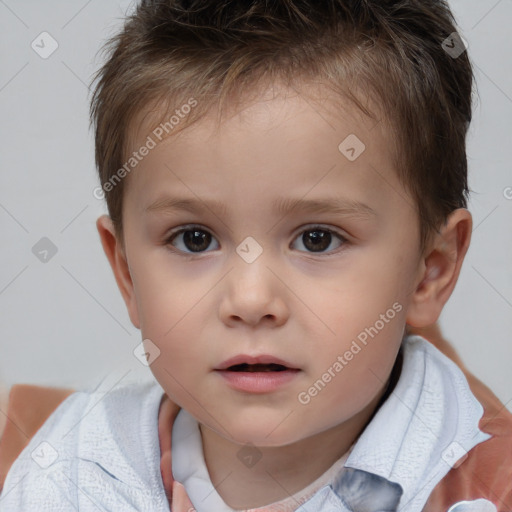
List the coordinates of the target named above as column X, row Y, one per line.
column 257, row 368
column 257, row 374
column 261, row 363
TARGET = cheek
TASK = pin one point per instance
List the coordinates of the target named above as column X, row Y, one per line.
column 172, row 320
column 354, row 299
column 344, row 380
column 181, row 358
column 165, row 299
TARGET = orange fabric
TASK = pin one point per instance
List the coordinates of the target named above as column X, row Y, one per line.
column 166, row 416
column 175, row 492
column 28, row 407
column 485, row 473
column 487, row 470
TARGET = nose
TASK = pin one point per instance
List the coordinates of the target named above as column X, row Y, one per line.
column 253, row 295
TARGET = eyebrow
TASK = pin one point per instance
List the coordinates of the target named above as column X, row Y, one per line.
column 281, row 206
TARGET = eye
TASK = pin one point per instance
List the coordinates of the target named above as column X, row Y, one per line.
column 191, row 239
column 316, row 238
column 195, row 239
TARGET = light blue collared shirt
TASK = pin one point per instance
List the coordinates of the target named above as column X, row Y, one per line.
column 100, row 451
column 429, row 421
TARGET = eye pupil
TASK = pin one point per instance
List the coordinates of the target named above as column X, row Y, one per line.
column 316, row 239
column 196, row 240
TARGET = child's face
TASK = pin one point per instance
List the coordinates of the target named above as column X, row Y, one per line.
column 306, row 299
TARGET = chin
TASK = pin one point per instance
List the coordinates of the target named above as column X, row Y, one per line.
column 264, row 434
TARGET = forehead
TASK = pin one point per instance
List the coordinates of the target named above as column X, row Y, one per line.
column 253, row 103
column 284, row 139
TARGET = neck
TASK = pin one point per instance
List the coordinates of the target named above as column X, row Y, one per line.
column 281, row 471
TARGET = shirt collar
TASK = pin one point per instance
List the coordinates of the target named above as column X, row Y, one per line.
column 428, row 421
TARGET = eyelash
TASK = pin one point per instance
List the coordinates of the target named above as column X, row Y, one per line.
column 173, row 234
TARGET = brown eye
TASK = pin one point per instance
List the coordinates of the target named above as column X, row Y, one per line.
column 192, row 239
column 318, row 239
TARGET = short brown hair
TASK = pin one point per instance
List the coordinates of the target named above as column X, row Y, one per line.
column 215, row 50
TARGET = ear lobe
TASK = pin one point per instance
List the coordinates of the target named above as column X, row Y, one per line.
column 115, row 253
column 440, row 269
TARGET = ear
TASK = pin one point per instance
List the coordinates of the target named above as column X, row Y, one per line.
column 116, row 256
column 439, row 269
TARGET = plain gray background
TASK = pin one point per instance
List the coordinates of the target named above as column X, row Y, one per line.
column 63, row 322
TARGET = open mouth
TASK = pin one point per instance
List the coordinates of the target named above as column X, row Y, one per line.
column 259, row 375
column 272, row 367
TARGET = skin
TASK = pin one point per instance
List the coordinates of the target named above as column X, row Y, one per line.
column 306, row 307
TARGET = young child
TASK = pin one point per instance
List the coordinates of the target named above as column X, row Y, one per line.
column 286, row 184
